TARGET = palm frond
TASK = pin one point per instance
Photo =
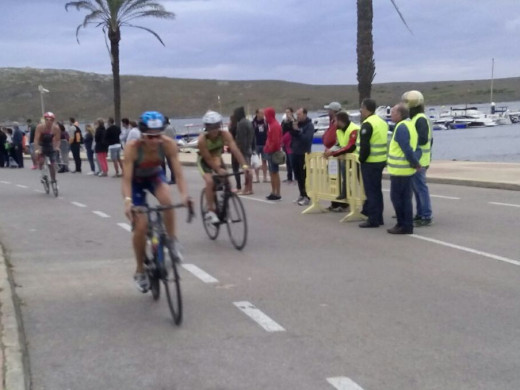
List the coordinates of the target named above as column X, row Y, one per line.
column 155, row 14
column 147, row 29
column 80, row 5
column 401, row 16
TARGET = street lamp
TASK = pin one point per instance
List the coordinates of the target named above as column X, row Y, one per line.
column 42, row 91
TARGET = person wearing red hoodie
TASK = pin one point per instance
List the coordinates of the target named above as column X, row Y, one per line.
column 273, row 143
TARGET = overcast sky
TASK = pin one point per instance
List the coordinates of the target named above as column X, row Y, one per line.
column 306, row 41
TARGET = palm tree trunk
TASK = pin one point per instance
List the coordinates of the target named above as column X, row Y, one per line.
column 365, row 49
column 115, row 37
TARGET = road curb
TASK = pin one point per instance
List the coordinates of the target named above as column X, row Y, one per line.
column 468, row 183
column 13, row 349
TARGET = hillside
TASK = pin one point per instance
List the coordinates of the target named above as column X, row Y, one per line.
column 87, row 96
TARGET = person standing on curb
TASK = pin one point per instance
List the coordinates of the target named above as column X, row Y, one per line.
column 112, row 134
column 402, row 165
column 32, row 129
column 302, row 134
column 371, row 145
column 273, row 144
column 286, row 142
column 89, row 140
column 76, row 139
column 101, row 148
column 245, row 140
column 64, row 149
column 171, row 133
column 329, row 140
column 260, row 126
column 415, row 102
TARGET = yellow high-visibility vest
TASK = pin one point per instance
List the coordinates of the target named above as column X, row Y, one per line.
column 378, row 141
column 427, row 147
column 397, row 164
column 344, row 136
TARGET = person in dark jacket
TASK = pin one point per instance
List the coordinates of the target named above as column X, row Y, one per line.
column 75, row 141
column 235, row 165
column 4, row 158
column 89, row 140
column 63, row 160
column 302, row 134
column 18, row 145
column 101, row 148
column 112, row 139
column 260, row 126
column 32, row 129
column 245, row 140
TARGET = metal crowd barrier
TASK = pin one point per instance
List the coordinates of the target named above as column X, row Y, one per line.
column 323, row 183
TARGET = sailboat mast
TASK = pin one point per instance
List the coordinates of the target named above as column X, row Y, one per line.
column 492, row 77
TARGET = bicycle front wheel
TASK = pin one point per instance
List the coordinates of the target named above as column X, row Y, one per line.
column 236, row 222
column 211, row 229
column 46, row 186
column 172, row 286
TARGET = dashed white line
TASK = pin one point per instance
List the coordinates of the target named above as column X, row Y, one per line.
column 444, row 197
column 78, row 204
column 21, row 186
column 125, row 226
column 505, row 204
column 39, row 191
column 101, row 214
column 470, row 250
column 259, row 317
column 5, row 182
column 199, row 273
column 344, row 383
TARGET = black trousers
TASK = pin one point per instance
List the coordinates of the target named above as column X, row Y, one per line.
column 372, row 174
column 401, row 195
column 18, row 155
column 74, row 148
column 289, row 166
column 298, row 163
column 235, row 165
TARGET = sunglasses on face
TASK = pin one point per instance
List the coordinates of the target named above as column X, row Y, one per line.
column 152, row 136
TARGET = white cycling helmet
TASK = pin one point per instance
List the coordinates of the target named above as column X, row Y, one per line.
column 211, row 118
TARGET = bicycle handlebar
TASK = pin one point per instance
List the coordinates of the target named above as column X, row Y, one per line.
column 147, row 209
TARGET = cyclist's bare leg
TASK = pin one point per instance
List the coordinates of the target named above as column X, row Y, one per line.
column 210, row 193
column 162, row 193
column 139, row 240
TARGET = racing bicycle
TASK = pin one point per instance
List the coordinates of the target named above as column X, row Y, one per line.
column 229, row 210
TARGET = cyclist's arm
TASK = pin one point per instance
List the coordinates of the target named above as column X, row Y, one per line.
column 128, row 171
column 206, row 155
column 228, row 140
column 173, row 155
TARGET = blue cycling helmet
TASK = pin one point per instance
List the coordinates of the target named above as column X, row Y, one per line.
column 152, row 120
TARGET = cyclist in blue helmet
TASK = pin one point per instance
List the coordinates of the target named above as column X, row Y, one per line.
column 143, row 171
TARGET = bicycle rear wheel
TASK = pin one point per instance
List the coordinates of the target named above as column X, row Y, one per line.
column 46, row 186
column 172, row 286
column 211, row 229
column 236, row 222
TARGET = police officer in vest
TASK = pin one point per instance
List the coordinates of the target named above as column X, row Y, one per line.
column 402, row 164
column 371, row 145
column 415, row 102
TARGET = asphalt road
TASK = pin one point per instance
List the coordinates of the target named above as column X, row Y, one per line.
column 347, row 308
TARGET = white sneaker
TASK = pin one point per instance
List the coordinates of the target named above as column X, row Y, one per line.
column 212, row 217
column 304, row 202
column 300, row 198
column 141, row 282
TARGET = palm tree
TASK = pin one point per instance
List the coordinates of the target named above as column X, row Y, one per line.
column 365, row 47
column 111, row 15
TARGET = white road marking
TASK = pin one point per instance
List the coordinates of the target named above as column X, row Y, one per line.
column 444, row 197
column 21, row 186
column 78, row 204
column 199, row 273
column 39, row 191
column 470, row 250
column 101, row 214
column 5, row 182
column 256, row 199
column 505, row 204
column 125, row 226
column 344, row 383
column 259, row 317
column 434, row 196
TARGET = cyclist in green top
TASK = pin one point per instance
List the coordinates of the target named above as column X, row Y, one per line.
column 210, row 143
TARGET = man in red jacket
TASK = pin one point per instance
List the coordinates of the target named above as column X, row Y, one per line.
column 273, row 144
